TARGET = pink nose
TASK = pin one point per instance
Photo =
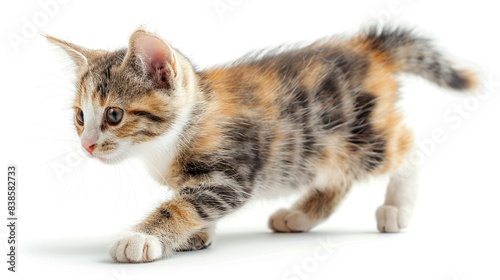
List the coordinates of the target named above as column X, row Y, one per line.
column 89, row 147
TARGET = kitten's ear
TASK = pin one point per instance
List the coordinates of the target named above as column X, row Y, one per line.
column 153, row 56
column 79, row 55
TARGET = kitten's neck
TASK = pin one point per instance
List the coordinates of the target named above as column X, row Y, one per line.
column 159, row 154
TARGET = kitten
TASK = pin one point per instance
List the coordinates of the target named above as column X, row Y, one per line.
column 313, row 119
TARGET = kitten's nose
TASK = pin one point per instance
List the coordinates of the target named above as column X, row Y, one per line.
column 88, row 146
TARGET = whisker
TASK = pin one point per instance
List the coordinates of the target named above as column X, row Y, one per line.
column 57, row 157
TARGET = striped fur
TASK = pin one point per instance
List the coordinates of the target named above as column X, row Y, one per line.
column 313, row 119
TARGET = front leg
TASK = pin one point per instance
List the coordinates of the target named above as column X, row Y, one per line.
column 171, row 226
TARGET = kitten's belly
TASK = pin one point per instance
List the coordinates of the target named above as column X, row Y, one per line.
column 326, row 176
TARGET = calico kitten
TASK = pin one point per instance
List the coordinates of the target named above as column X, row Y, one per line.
column 313, row 119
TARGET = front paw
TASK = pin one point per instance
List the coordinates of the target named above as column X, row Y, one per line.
column 137, row 248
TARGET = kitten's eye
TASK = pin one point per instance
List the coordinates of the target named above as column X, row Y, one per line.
column 114, row 115
column 79, row 116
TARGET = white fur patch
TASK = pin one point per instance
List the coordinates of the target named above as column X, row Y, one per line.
column 136, row 248
column 400, row 198
column 92, row 116
column 159, row 153
column 392, row 219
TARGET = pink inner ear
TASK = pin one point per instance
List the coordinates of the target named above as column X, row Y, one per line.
column 156, row 56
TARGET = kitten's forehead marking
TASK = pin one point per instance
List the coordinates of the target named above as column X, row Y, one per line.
column 89, row 95
column 102, row 84
column 103, row 72
column 96, row 86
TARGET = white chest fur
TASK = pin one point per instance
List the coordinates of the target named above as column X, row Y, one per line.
column 159, row 154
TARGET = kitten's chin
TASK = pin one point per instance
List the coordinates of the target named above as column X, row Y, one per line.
column 110, row 160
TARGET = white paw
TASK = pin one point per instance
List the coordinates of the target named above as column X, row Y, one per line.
column 136, row 248
column 392, row 218
column 285, row 220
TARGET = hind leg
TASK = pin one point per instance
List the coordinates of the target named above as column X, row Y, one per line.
column 317, row 205
column 400, row 197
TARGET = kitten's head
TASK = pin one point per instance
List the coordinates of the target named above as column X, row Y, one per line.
column 127, row 98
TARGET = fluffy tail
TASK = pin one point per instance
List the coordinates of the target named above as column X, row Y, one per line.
column 417, row 55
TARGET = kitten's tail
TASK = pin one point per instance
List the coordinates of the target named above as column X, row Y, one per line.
column 416, row 55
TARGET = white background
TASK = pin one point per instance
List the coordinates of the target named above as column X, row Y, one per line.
column 71, row 208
